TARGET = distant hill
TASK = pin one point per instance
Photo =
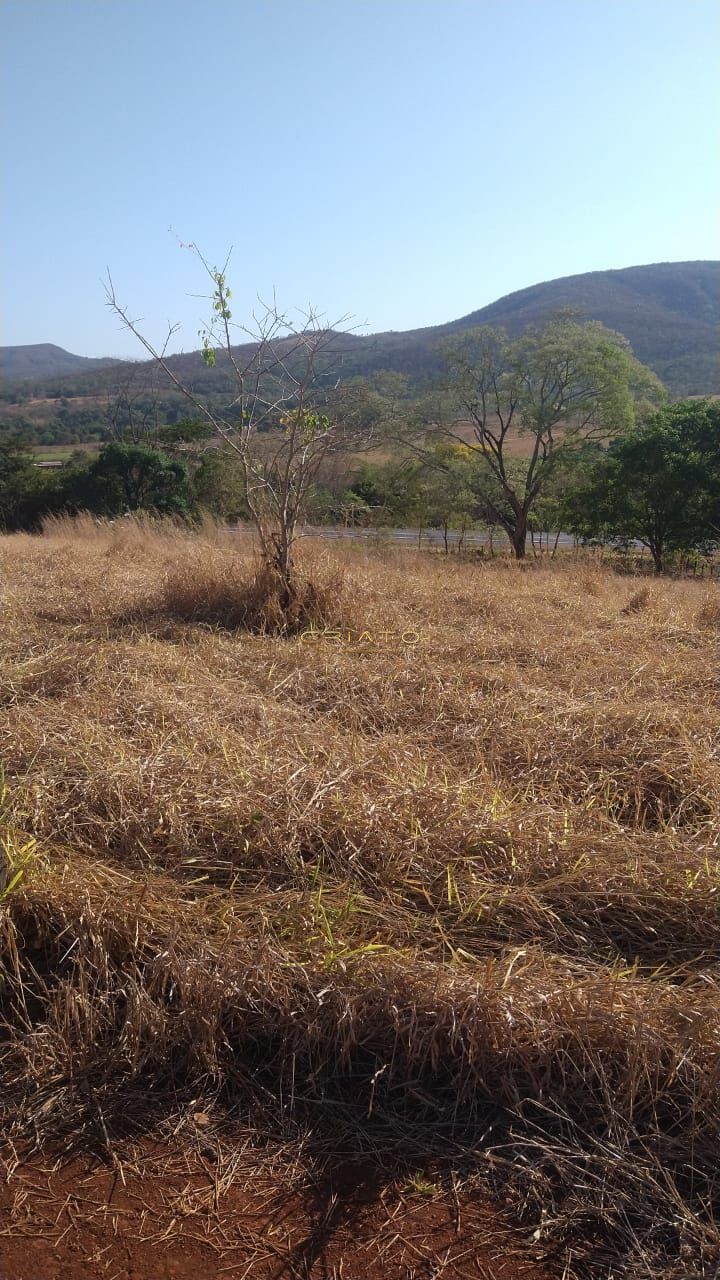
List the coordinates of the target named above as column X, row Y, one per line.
column 670, row 313
column 45, row 360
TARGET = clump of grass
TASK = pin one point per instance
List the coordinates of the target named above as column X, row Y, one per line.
column 138, row 1004
column 638, row 601
column 17, row 856
column 709, row 613
column 121, row 533
column 18, row 851
column 218, row 590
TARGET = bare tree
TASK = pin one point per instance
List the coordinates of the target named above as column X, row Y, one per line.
column 281, row 423
column 132, row 409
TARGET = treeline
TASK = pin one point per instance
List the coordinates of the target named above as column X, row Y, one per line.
column 138, row 420
column 658, row 484
column 123, row 477
column 66, row 427
column 57, row 420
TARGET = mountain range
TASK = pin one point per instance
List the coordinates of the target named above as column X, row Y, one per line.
column 669, row 312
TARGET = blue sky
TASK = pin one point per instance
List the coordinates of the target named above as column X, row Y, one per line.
column 401, row 161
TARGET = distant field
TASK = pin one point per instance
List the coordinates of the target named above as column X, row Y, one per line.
column 41, row 410
column 404, row 934
column 61, row 452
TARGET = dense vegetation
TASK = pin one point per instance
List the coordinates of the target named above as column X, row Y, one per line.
column 657, row 484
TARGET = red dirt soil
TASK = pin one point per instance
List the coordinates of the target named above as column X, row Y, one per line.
column 171, row 1218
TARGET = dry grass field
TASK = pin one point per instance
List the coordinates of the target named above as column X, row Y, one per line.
column 432, row 896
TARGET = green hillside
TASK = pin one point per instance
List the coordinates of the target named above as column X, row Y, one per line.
column 670, row 313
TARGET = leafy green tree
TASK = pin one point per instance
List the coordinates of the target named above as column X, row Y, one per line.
column 26, row 491
column 130, row 477
column 445, row 496
column 554, row 388
column 658, row 484
column 218, row 486
column 384, row 494
column 549, row 515
column 183, row 434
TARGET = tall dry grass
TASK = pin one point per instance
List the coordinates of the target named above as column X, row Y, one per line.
column 438, row 880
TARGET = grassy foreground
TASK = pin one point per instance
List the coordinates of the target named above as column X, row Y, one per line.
column 440, row 887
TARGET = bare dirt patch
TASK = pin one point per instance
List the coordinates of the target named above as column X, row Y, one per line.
column 171, row 1218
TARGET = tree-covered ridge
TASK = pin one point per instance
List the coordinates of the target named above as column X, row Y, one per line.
column 669, row 312
column 46, row 360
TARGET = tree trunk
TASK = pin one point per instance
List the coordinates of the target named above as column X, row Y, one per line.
column 657, row 555
column 282, row 562
column 518, row 537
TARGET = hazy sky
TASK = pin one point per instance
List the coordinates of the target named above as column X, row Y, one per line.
column 402, row 161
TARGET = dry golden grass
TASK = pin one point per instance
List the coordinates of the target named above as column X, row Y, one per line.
column 441, row 881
